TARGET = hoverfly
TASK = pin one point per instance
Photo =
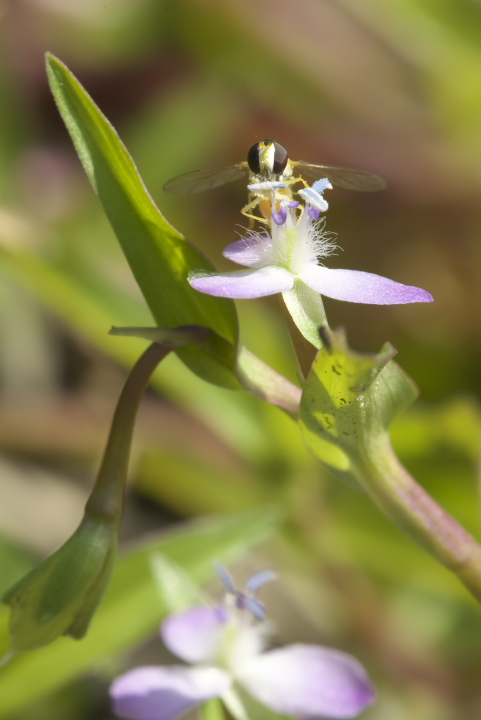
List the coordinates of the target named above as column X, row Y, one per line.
column 268, row 161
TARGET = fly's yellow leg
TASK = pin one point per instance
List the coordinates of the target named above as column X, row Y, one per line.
column 288, row 192
column 265, row 203
column 251, row 205
column 294, row 180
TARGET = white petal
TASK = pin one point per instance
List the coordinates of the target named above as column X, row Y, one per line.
column 250, row 252
column 313, row 198
column 361, row 287
column 246, row 283
column 309, row 682
column 194, row 635
column 165, row 693
column 266, row 186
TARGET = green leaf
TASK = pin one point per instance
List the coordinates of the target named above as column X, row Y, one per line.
column 194, row 336
column 177, row 591
column 159, row 256
column 252, row 429
column 349, row 400
column 132, row 608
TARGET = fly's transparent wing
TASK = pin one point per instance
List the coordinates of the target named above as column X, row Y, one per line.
column 347, row 178
column 200, row 180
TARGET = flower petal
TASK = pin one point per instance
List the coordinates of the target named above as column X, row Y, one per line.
column 255, row 582
column 225, row 577
column 267, row 186
column 246, row 283
column 194, row 635
column 308, row 681
column 361, row 287
column 310, row 196
column 249, row 251
column 322, row 184
column 165, row 693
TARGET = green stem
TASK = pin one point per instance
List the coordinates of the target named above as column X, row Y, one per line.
column 261, row 380
column 212, row 710
column 107, row 497
column 253, row 375
column 400, row 497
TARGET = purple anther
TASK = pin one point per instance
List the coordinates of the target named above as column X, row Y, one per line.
column 313, row 212
column 293, row 204
column 280, row 217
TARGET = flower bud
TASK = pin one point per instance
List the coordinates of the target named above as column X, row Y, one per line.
column 60, row 596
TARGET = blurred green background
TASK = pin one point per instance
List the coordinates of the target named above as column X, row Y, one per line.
column 391, row 87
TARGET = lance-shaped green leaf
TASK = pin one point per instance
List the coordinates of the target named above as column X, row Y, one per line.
column 349, row 402
column 192, row 336
column 177, row 589
column 159, row 256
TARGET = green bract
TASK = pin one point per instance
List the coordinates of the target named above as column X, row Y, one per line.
column 159, row 256
column 348, row 404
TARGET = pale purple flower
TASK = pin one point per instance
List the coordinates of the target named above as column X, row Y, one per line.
column 224, row 649
column 292, row 251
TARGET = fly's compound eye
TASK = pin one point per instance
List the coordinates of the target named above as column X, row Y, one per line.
column 280, row 159
column 253, row 159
